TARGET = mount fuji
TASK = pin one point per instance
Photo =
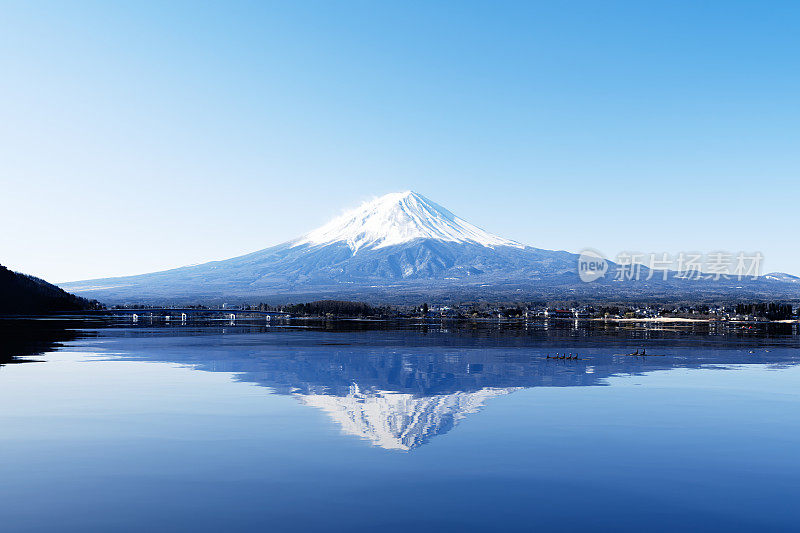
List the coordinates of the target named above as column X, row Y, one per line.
column 401, row 247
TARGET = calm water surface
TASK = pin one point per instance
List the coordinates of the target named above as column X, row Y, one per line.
column 436, row 427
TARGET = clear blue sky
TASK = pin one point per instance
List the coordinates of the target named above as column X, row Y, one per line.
column 144, row 136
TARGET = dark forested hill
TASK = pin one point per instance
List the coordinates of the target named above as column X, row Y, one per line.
column 21, row 294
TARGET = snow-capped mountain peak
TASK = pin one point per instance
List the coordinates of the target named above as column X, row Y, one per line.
column 398, row 218
column 782, row 276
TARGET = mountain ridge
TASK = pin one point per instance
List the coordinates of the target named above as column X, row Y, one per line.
column 399, row 248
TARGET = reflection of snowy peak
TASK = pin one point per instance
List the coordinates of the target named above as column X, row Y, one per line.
column 398, row 421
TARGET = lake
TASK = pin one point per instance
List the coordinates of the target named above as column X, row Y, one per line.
column 344, row 426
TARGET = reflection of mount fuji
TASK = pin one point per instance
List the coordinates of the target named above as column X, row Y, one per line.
column 399, row 389
column 399, row 421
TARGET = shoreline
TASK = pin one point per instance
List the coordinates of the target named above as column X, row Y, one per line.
column 243, row 314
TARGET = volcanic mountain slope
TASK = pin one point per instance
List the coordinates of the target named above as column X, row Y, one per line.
column 399, row 241
column 403, row 248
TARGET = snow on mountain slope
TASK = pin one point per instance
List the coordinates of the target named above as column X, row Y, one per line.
column 399, row 218
column 782, row 277
column 399, row 247
column 398, row 421
column 398, row 237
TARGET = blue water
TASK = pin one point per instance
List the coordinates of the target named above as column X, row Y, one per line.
column 301, row 429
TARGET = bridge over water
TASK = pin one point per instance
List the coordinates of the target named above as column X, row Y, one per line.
column 183, row 313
